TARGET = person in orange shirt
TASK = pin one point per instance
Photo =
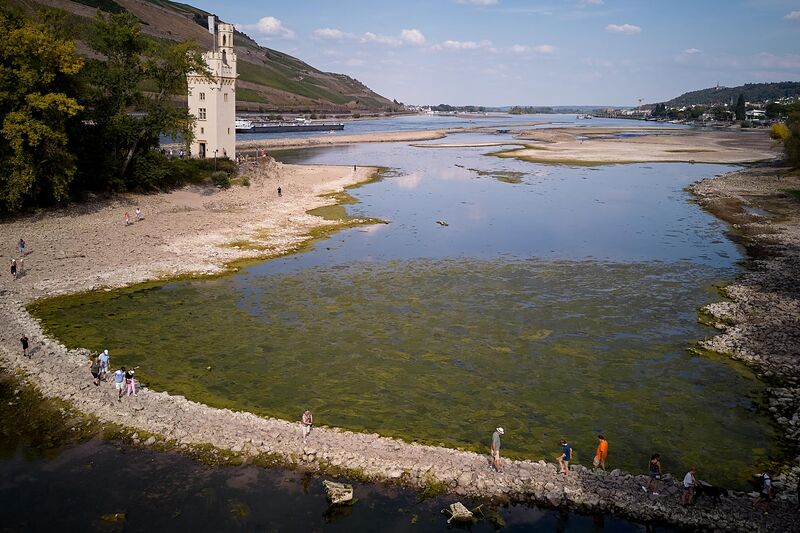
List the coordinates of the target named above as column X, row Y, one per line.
column 602, row 453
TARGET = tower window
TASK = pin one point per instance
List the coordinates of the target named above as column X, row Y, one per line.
column 202, row 130
column 229, row 131
column 225, row 97
column 201, row 113
column 202, row 96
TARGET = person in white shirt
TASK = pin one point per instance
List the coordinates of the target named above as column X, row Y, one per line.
column 305, row 423
column 689, row 482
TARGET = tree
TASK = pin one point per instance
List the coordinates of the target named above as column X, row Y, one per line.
column 740, row 109
column 126, row 121
column 36, row 107
column 791, row 145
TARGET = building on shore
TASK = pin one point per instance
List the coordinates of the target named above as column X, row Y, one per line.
column 212, row 99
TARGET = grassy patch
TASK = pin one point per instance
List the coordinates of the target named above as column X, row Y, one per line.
column 793, row 193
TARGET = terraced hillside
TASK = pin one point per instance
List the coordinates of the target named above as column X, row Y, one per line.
column 269, row 80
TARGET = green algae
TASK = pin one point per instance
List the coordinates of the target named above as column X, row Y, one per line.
column 443, row 351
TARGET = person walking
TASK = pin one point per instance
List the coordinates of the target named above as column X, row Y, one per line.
column 24, row 342
column 14, row 268
column 689, row 483
column 105, row 364
column 119, row 382
column 21, row 247
column 602, row 453
column 305, row 424
column 138, row 215
column 94, row 368
column 130, row 383
column 765, row 494
column 566, row 456
column 654, row 474
column 127, row 219
column 495, row 460
column 279, row 191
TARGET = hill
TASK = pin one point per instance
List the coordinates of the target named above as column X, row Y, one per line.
column 269, row 80
column 753, row 92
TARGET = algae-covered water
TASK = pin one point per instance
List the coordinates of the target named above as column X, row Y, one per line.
column 557, row 304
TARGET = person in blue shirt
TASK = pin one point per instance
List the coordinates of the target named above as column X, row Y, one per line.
column 119, row 382
column 566, row 456
column 105, row 364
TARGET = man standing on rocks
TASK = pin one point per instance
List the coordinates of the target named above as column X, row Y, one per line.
column 105, row 361
column 765, row 495
column 566, row 456
column 119, row 382
column 305, row 424
column 495, row 461
column 24, row 342
column 602, row 453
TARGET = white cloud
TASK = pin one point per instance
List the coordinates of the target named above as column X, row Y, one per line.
column 355, row 62
column 541, row 49
column 477, row 2
column 692, row 51
column 590, row 2
column 267, row 27
column 627, row 29
column 772, row 61
column 412, row 36
column 382, row 39
column 794, row 15
column 332, row 34
column 544, row 49
column 462, row 45
column 407, row 36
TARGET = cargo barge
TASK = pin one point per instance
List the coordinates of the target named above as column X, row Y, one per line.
column 247, row 126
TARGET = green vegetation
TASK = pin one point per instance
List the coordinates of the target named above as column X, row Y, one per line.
column 393, row 364
column 250, row 95
column 69, row 124
column 791, row 144
column 752, row 92
column 517, row 110
column 739, row 109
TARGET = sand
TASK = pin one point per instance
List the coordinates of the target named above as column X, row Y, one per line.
column 577, row 145
column 192, row 230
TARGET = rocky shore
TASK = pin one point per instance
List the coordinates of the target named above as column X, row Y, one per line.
column 759, row 326
column 162, row 419
column 760, row 321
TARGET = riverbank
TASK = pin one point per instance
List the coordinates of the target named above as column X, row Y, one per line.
column 172, row 421
column 189, row 231
column 760, row 321
column 585, row 146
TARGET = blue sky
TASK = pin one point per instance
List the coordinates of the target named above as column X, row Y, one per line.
column 548, row 52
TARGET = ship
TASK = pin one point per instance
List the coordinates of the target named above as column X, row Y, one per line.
column 300, row 124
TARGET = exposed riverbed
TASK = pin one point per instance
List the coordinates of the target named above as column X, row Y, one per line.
column 555, row 302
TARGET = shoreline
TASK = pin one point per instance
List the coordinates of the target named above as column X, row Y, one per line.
column 182, row 423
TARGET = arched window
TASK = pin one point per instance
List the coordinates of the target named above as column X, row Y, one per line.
column 224, row 40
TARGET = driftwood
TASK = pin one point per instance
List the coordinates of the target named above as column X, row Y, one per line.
column 338, row 493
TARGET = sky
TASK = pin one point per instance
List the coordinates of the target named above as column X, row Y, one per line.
column 531, row 52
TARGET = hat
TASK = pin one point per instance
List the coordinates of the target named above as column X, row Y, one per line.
column 500, row 430
column 105, row 352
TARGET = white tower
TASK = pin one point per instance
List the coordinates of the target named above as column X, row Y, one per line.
column 212, row 100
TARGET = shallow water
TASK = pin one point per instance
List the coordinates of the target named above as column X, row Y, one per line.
column 49, row 478
column 557, row 303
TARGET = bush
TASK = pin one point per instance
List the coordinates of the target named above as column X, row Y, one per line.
column 779, row 131
column 221, row 179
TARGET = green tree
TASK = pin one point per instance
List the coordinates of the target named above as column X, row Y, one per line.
column 36, row 107
column 791, row 145
column 740, row 109
column 126, row 120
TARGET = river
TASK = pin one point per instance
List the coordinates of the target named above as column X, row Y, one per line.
column 554, row 301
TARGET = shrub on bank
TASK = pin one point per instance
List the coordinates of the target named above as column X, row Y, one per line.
column 156, row 172
column 779, row 131
column 221, row 179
